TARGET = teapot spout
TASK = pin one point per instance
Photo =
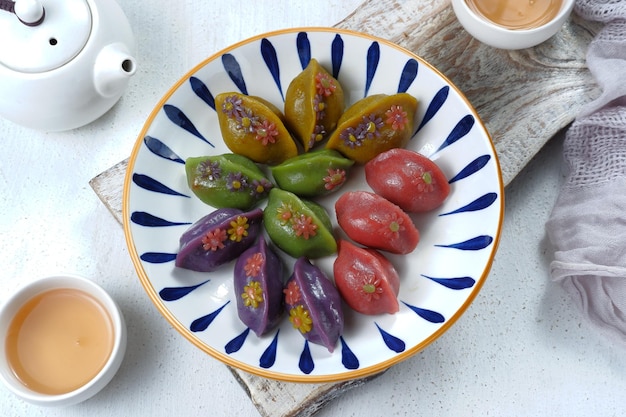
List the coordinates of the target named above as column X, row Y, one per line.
column 113, row 68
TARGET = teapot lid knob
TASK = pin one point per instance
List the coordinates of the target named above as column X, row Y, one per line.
column 30, row 12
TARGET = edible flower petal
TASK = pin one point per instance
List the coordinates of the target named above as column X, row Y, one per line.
column 300, row 319
column 238, row 229
column 252, row 294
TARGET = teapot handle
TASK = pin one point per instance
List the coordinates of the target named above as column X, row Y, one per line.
column 29, row 12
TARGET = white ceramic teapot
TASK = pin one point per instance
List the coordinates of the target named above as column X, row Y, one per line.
column 63, row 63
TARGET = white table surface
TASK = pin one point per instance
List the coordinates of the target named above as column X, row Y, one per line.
column 521, row 349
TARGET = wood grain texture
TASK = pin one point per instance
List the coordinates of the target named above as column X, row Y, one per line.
column 276, row 398
column 108, row 185
column 524, row 97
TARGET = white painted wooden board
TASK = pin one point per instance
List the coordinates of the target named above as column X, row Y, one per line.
column 524, row 97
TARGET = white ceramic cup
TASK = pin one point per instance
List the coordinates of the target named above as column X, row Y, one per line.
column 502, row 38
column 65, row 281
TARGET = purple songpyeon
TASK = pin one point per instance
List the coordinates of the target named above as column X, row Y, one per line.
column 314, row 304
column 258, row 283
column 218, row 238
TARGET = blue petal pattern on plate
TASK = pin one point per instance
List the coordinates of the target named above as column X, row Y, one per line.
column 201, row 324
column 461, row 251
column 306, row 364
column 394, row 343
column 146, row 219
column 480, row 203
column 461, row 129
column 409, row 73
column 429, row 315
column 348, row 358
column 179, row 118
column 269, row 355
column 435, row 104
column 457, row 283
column 336, row 55
column 471, row 168
column 159, row 148
column 157, row 257
column 269, row 55
column 304, row 49
column 475, row 243
column 236, row 344
column 234, row 72
column 373, row 57
column 176, row 293
column 148, row 183
column 202, row 91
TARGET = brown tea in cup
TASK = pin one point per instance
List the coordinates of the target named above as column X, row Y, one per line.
column 516, row 14
column 59, row 340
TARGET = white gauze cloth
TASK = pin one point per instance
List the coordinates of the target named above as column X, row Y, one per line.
column 587, row 226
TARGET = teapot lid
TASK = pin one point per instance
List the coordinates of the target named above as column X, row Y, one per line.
column 60, row 36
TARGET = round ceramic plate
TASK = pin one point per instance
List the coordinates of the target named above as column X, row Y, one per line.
column 438, row 280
